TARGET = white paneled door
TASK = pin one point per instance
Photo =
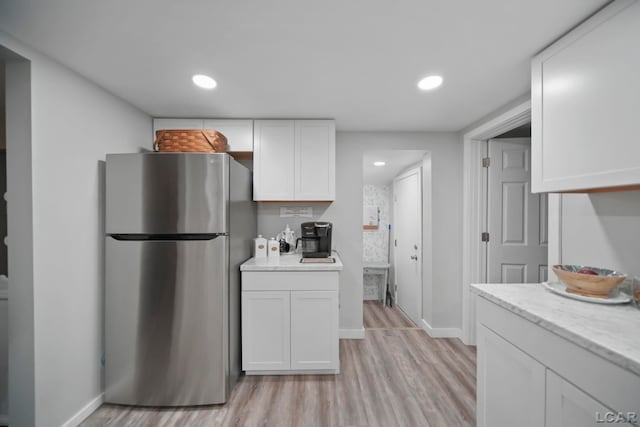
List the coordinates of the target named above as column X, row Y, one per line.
column 517, row 219
column 407, row 189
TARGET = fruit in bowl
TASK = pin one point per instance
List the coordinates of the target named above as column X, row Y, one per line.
column 588, row 281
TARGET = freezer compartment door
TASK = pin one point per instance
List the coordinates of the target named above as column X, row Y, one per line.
column 167, row 193
column 166, row 322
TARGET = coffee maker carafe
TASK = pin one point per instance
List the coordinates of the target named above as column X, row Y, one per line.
column 316, row 239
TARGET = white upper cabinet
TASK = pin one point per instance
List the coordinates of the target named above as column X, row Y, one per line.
column 239, row 132
column 294, row 160
column 315, row 151
column 585, row 104
column 273, row 160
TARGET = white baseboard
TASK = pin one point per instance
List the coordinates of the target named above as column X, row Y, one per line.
column 441, row 332
column 351, row 334
column 83, row 413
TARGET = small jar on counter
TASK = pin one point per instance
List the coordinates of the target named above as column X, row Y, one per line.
column 273, row 249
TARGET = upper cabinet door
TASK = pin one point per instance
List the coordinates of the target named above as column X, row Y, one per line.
column 239, row 133
column 585, row 103
column 273, row 160
column 315, row 154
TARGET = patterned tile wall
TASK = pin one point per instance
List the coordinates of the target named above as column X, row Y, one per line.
column 375, row 242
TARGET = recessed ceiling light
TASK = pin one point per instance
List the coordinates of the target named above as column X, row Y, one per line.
column 430, row 82
column 205, row 82
column 379, row 163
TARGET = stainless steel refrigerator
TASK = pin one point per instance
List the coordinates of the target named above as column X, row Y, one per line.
column 178, row 225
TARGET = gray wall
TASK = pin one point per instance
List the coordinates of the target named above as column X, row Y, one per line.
column 346, row 214
column 56, row 291
column 602, row 230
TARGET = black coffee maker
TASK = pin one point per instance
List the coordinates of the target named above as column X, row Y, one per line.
column 315, row 239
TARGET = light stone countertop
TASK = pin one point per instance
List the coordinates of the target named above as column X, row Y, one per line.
column 290, row 263
column 610, row 331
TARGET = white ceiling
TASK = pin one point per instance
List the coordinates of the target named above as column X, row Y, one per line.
column 396, row 161
column 356, row 61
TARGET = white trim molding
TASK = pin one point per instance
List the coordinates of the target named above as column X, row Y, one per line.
column 83, row 413
column 440, row 332
column 554, row 239
column 472, row 249
column 352, row 334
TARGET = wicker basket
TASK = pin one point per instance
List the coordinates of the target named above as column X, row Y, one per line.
column 190, row 140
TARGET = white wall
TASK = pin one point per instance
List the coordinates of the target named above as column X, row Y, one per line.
column 602, row 230
column 74, row 123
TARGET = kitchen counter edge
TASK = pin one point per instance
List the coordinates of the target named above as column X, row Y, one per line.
column 606, row 330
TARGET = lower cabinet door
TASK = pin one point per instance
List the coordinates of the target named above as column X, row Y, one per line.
column 568, row 406
column 511, row 384
column 265, row 330
column 314, row 330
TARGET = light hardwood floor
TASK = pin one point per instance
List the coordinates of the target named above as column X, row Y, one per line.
column 396, row 376
column 378, row 317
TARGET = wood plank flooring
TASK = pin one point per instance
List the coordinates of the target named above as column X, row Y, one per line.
column 376, row 316
column 396, row 376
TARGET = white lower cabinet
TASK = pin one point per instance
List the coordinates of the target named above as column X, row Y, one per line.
column 314, row 320
column 265, row 330
column 568, row 406
column 288, row 330
column 528, row 376
column 511, row 384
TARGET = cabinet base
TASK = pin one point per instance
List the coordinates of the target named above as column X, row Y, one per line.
column 296, row 372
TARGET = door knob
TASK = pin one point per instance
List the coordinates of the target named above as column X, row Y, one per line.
column 414, row 257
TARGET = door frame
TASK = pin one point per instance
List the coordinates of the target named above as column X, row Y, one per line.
column 474, row 215
column 409, row 171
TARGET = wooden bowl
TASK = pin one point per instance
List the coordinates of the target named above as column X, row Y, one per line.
column 591, row 285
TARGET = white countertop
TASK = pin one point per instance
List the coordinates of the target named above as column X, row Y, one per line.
column 290, row 263
column 610, row 331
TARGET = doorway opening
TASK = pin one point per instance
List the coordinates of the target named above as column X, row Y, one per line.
column 475, row 211
column 516, row 220
column 396, row 222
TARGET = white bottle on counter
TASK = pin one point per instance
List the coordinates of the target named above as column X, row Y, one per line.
column 259, row 247
column 273, row 248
